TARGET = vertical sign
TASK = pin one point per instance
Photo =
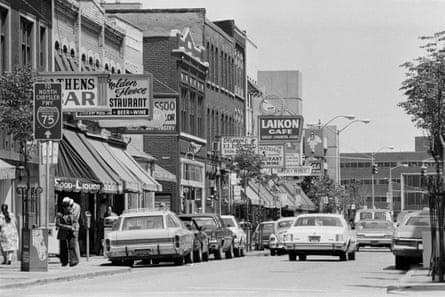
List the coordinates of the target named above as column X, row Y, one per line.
column 47, row 111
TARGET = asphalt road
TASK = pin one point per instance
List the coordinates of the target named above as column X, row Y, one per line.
column 254, row 275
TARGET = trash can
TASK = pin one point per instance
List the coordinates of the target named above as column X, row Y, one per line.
column 34, row 249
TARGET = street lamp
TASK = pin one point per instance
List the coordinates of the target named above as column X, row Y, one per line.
column 348, row 117
column 365, row 121
column 372, row 172
column 390, row 189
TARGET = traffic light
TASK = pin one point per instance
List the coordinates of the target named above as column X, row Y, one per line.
column 375, row 169
column 423, row 170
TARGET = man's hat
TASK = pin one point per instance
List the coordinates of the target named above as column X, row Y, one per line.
column 67, row 201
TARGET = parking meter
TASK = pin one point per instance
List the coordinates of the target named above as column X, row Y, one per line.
column 87, row 227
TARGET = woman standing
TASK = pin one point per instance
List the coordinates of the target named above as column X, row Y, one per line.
column 9, row 238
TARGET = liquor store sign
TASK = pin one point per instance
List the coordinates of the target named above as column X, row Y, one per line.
column 280, row 128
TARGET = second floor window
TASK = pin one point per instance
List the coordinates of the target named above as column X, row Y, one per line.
column 3, row 39
column 26, row 41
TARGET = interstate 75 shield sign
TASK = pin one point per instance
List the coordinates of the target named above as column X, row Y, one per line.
column 47, row 111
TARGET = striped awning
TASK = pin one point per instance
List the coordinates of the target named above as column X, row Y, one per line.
column 7, row 171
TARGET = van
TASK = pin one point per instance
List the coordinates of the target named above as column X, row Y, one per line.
column 372, row 214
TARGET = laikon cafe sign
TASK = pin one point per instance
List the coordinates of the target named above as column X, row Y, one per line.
column 280, row 128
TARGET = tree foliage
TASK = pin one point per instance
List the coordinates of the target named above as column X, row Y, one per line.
column 318, row 187
column 16, row 106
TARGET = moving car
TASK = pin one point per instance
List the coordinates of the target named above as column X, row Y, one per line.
column 220, row 237
column 239, row 236
column 262, row 234
column 320, row 234
column 149, row 234
column 280, row 227
column 201, row 242
column 407, row 244
column 375, row 233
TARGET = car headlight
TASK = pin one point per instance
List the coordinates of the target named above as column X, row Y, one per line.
column 339, row 237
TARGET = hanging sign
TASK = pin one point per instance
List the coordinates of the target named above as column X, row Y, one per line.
column 280, row 128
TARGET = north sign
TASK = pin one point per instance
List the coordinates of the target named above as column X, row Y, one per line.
column 280, row 129
column 47, row 111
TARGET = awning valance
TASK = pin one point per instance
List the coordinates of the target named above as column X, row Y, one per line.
column 111, row 182
column 7, row 171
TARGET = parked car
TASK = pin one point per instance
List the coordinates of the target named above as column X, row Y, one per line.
column 201, row 242
column 262, row 233
column 239, row 236
column 220, row 237
column 407, row 244
column 280, row 227
column 320, row 234
column 372, row 214
column 376, row 233
column 148, row 234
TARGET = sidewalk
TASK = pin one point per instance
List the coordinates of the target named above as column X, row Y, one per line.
column 12, row 277
column 416, row 279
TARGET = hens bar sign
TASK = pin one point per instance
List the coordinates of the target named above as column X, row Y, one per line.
column 280, row 128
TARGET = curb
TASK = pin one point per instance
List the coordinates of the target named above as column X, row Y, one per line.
column 66, row 278
column 405, row 285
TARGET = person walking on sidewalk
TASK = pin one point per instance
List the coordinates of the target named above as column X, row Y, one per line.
column 74, row 248
column 9, row 238
column 64, row 222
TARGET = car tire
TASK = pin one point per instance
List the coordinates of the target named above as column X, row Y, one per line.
column 273, row 252
column 302, row 257
column 197, row 255
column 351, row 255
column 155, row 261
column 205, row 257
column 179, row 261
column 237, row 252
column 129, row 263
column 116, row 262
column 218, row 253
column 343, row 257
column 292, row 256
column 229, row 252
column 401, row 262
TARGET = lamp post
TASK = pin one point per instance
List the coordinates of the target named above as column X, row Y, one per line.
column 372, row 172
column 365, row 121
column 390, row 189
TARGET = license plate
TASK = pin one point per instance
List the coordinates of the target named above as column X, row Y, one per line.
column 314, row 238
column 143, row 252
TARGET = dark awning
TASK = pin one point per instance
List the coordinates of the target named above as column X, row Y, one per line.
column 72, row 172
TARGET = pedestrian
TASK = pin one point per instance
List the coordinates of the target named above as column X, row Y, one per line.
column 64, row 223
column 109, row 212
column 9, row 238
column 73, row 242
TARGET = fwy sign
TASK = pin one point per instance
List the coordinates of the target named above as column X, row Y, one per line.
column 280, row 128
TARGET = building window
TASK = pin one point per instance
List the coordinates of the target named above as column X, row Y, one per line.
column 42, row 49
column 3, row 40
column 192, row 113
column 184, row 105
column 200, row 116
column 26, row 33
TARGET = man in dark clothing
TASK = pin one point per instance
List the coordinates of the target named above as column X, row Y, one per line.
column 64, row 222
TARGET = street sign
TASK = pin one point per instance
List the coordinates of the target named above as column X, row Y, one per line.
column 47, row 111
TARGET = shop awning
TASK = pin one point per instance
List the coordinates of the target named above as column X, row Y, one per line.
column 72, row 172
column 131, row 184
column 148, row 183
column 7, row 171
column 265, row 196
column 111, row 182
column 302, row 201
column 287, row 198
column 252, row 195
column 162, row 174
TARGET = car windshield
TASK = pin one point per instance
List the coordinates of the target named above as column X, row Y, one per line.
column 380, row 216
column 365, row 215
column 188, row 223
column 203, row 221
column 375, row 225
column 319, row 221
column 228, row 222
column 143, row 222
column 418, row 221
column 284, row 224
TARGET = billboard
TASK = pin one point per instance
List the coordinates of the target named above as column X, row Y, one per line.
column 314, row 142
column 272, row 155
column 232, row 145
column 280, row 128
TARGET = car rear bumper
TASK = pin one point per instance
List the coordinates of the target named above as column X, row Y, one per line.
column 144, row 252
column 374, row 241
column 407, row 248
column 317, row 248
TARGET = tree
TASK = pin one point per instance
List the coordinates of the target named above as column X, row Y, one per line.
column 318, row 187
column 248, row 165
column 424, row 88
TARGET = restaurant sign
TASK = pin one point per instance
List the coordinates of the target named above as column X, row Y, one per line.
column 272, row 155
column 280, row 128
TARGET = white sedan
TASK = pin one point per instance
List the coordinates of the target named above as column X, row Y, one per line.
column 239, row 236
column 320, row 234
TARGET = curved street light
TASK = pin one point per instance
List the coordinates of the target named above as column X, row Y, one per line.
column 348, row 117
column 372, row 173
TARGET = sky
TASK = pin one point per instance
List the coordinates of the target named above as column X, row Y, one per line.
column 349, row 53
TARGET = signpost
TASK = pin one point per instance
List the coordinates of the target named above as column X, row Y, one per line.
column 47, row 111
